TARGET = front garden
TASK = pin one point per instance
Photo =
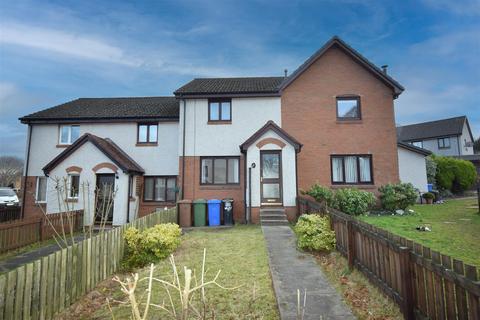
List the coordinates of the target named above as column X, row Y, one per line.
column 454, row 227
column 239, row 253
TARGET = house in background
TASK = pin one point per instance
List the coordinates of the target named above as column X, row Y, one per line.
column 258, row 140
column 446, row 137
column 412, row 166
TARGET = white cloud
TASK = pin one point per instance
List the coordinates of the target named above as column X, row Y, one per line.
column 66, row 43
column 460, row 7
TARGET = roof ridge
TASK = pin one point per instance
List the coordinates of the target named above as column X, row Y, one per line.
column 137, row 97
column 431, row 121
column 247, row 77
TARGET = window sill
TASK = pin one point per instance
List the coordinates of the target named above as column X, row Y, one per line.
column 146, row 144
column 73, row 200
column 220, row 187
column 361, row 186
column 219, row 122
column 349, row 121
column 63, row 145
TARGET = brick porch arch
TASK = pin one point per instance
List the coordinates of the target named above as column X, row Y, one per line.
column 74, row 169
column 105, row 165
column 274, row 141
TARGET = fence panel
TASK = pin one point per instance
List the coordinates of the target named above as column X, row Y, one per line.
column 424, row 283
column 45, row 287
column 10, row 213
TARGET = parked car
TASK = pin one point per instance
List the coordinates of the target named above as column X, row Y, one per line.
column 8, row 197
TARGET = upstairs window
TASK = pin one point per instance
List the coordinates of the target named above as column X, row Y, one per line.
column 220, row 110
column 348, row 108
column 352, row 169
column 443, row 143
column 69, row 133
column 147, row 133
column 220, row 170
column 417, row 144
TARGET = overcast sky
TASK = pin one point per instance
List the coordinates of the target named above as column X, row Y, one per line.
column 56, row 51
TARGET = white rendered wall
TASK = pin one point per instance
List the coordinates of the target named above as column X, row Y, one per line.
column 288, row 170
column 87, row 157
column 412, row 168
column 248, row 115
column 465, row 138
column 155, row 160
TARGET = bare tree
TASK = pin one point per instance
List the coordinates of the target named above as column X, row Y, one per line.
column 10, row 170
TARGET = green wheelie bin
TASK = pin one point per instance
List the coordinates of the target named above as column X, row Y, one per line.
column 200, row 213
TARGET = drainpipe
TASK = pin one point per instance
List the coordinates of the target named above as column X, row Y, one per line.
column 183, row 148
column 30, row 128
column 249, row 195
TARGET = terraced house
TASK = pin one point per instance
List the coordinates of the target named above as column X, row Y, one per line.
column 258, row 140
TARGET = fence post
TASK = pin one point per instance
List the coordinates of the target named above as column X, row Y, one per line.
column 350, row 244
column 407, row 288
column 41, row 229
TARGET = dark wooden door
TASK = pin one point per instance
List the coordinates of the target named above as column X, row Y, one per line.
column 271, row 177
column 105, row 190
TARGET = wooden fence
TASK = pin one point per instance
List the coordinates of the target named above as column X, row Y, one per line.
column 40, row 289
column 423, row 282
column 19, row 233
column 10, row 213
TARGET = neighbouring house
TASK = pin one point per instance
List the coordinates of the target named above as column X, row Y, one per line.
column 446, row 137
column 258, row 140
column 412, row 166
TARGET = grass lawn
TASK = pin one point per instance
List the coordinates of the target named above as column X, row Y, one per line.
column 455, row 228
column 239, row 252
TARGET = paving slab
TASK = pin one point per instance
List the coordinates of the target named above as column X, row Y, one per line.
column 294, row 270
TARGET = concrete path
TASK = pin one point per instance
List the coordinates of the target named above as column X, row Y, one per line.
column 292, row 270
column 30, row 256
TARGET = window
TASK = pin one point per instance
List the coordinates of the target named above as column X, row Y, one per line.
column 160, row 189
column 220, row 110
column 147, row 133
column 443, row 143
column 417, row 144
column 74, row 185
column 348, row 108
column 41, row 194
column 220, row 170
column 351, row 169
column 69, row 133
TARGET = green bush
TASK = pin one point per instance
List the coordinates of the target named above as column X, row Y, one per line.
column 151, row 245
column 321, row 193
column 314, row 233
column 353, row 201
column 455, row 175
column 397, row 196
column 431, row 169
column 428, row 195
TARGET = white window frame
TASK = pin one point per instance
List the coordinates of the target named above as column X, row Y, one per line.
column 70, row 175
column 36, row 189
column 69, row 139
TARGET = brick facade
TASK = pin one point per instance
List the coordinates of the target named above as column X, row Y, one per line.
column 309, row 114
column 193, row 190
column 30, row 208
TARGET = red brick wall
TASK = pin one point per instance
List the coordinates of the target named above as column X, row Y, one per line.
column 193, row 189
column 309, row 114
column 31, row 209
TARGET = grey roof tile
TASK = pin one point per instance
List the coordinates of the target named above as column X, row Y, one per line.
column 431, row 129
column 110, row 108
column 249, row 85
